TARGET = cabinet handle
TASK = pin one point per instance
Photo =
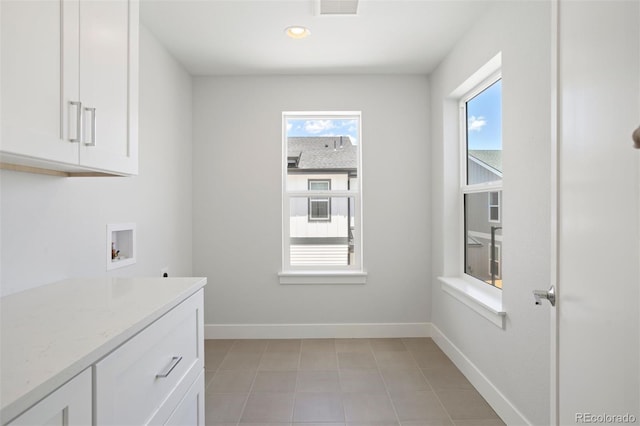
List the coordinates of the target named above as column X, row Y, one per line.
column 174, row 361
column 78, row 106
column 93, row 127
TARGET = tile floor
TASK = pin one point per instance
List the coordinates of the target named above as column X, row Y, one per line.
column 332, row 382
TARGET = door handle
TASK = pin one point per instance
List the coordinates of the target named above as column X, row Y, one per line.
column 550, row 295
column 92, row 142
column 78, row 126
column 636, row 138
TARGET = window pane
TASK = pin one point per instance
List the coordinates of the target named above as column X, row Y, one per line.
column 322, row 148
column 319, row 185
column 319, row 209
column 484, row 135
column 479, row 244
column 328, row 242
column 494, row 214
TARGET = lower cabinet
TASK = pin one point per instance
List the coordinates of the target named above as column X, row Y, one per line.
column 146, row 379
column 69, row 405
column 156, row 377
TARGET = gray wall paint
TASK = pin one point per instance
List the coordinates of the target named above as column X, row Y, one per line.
column 54, row 228
column 516, row 360
column 237, row 199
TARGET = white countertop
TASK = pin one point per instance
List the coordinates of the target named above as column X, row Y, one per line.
column 51, row 333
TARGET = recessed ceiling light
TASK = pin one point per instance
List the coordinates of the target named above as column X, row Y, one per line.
column 297, row 31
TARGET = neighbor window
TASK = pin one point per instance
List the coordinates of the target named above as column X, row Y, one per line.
column 481, row 188
column 321, row 192
column 494, row 207
column 319, row 208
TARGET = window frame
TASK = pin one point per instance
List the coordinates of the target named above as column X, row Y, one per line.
column 322, row 274
column 464, row 187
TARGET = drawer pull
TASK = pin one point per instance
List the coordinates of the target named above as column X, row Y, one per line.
column 174, row 361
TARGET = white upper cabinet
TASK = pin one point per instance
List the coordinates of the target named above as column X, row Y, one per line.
column 70, row 85
column 34, row 83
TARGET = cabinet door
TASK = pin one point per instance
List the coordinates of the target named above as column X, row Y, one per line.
column 69, row 405
column 108, row 84
column 40, row 79
column 190, row 411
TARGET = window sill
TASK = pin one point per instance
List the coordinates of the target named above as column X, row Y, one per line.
column 322, row 277
column 485, row 301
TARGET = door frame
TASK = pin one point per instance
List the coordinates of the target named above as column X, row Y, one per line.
column 555, row 201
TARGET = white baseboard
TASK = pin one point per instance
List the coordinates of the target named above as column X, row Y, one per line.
column 505, row 409
column 316, row 331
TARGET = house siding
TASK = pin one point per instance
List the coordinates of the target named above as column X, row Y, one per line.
column 315, row 254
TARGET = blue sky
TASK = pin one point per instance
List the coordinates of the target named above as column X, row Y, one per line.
column 323, row 127
column 484, row 115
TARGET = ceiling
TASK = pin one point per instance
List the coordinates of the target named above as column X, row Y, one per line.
column 246, row 37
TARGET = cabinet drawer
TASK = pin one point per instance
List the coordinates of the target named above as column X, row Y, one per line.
column 141, row 376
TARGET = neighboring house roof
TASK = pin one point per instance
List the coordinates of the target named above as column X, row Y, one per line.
column 325, row 152
column 489, row 157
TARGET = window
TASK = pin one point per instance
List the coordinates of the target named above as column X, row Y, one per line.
column 321, row 192
column 494, row 207
column 319, row 208
column 481, row 188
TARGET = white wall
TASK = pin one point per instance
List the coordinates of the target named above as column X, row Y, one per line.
column 515, row 362
column 237, row 199
column 54, row 228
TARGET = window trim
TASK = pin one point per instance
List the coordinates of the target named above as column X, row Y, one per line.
column 484, row 299
column 319, row 274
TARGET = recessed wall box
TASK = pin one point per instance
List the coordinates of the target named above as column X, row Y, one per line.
column 121, row 245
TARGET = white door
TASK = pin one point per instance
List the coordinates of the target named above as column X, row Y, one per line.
column 599, row 214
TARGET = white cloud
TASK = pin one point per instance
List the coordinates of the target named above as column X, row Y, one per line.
column 289, row 127
column 476, row 123
column 317, row 126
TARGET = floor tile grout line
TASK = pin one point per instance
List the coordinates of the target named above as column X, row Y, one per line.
column 295, row 385
column 255, row 375
column 344, row 409
column 215, row 372
column 422, row 371
column 342, row 393
column 432, row 389
column 386, row 386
